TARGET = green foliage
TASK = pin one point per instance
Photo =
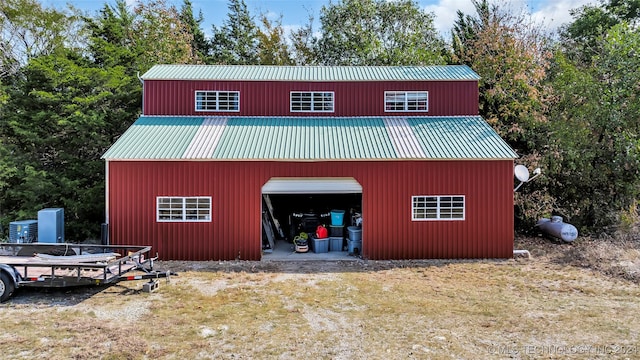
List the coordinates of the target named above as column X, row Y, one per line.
column 160, row 36
column 510, row 56
column 377, row 32
column 63, row 115
column 236, row 41
column 596, row 157
column 200, row 46
column 150, row 34
column 580, row 38
column 28, row 30
column 272, row 43
column 304, row 44
column 112, row 37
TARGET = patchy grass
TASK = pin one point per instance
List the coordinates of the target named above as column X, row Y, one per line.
column 560, row 304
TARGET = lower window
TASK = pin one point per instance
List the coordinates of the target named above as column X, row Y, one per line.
column 450, row 207
column 183, row 209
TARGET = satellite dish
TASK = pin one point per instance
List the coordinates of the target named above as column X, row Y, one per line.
column 522, row 173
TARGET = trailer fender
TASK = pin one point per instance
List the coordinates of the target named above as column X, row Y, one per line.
column 8, row 281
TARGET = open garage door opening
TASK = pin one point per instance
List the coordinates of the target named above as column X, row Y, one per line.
column 293, row 208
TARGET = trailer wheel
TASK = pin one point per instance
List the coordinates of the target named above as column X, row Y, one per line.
column 6, row 286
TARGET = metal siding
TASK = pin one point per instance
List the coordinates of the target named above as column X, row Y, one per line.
column 271, row 98
column 388, row 232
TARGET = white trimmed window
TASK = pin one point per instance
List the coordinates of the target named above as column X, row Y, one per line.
column 217, row 101
column 406, row 101
column 437, row 207
column 183, row 209
column 311, row 101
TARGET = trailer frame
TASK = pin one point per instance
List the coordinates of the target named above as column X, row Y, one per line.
column 70, row 265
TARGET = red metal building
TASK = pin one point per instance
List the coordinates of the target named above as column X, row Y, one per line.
column 404, row 146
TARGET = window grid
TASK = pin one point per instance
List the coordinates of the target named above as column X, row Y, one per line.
column 183, row 209
column 407, row 101
column 450, row 207
column 217, row 101
column 312, row 101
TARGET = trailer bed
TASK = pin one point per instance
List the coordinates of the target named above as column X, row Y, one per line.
column 62, row 265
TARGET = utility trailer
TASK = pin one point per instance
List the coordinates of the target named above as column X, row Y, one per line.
column 67, row 265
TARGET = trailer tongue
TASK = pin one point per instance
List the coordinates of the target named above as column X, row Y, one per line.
column 66, row 265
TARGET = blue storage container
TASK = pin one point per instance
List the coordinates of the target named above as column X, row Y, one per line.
column 335, row 243
column 320, row 245
column 355, row 232
column 337, row 217
column 354, row 247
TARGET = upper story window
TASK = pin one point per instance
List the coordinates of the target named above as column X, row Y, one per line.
column 437, row 208
column 217, row 101
column 406, row 101
column 183, row 209
column 311, row 101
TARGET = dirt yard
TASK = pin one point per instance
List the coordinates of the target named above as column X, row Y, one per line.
column 578, row 300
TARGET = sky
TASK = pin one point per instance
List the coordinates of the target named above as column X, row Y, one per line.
column 295, row 13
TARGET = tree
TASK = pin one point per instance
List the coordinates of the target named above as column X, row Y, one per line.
column 511, row 57
column 304, row 44
column 60, row 120
column 28, row 30
column 200, row 47
column 151, row 33
column 236, row 41
column 273, row 49
column 580, row 37
column 66, row 106
column 112, row 39
column 596, row 127
column 160, row 35
column 377, row 32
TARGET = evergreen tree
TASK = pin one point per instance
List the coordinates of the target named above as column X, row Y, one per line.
column 200, row 47
column 236, row 41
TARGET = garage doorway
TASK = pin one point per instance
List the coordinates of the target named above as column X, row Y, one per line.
column 291, row 206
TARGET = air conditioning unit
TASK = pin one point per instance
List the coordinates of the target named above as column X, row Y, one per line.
column 25, row 231
column 51, row 225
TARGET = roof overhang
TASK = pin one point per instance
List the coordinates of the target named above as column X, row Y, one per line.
column 314, row 185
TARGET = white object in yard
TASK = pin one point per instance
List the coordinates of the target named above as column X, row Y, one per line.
column 558, row 229
column 150, row 286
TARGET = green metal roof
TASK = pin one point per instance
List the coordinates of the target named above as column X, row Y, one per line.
column 310, row 73
column 309, row 139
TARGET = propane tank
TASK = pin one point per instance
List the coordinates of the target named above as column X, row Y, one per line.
column 558, row 229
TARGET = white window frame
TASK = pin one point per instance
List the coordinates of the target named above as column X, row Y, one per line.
column 312, row 101
column 216, row 104
column 179, row 210
column 406, row 102
column 442, row 206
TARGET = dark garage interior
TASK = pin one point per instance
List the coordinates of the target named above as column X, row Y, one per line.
column 287, row 215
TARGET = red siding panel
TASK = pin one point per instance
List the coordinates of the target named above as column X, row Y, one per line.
column 260, row 98
column 388, row 232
